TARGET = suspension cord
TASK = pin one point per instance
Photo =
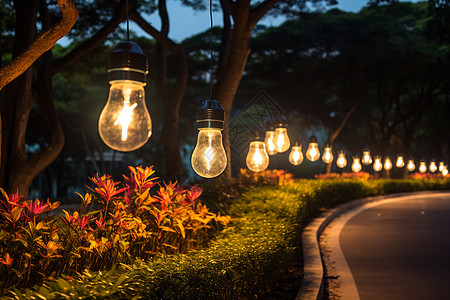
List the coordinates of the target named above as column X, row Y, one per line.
column 128, row 23
column 211, row 49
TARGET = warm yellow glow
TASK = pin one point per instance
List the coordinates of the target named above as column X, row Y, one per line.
column 400, row 162
column 208, row 158
column 377, row 165
column 411, row 166
column 341, row 161
column 125, row 124
column 433, row 168
column 441, row 166
column 269, row 141
column 327, row 155
column 356, row 165
column 422, row 167
column 257, row 159
column 445, row 171
column 387, row 164
column 296, row 155
column 282, row 140
column 366, row 158
column 313, row 152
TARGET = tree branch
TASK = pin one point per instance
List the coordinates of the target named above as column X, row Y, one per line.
column 259, row 11
column 42, row 43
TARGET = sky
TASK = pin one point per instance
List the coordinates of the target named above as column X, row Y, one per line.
column 185, row 22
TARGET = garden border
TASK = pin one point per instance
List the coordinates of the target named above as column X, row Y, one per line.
column 312, row 286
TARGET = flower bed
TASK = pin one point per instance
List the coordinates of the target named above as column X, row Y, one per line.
column 245, row 260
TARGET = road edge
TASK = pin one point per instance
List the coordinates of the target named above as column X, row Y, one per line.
column 312, row 285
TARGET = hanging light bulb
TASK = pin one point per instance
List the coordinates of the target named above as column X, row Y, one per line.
column 411, row 166
column 257, row 158
column 270, row 141
column 125, row 124
column 341, row 161
column 366, row 158
column 209, row 158
column 313, row 152
column 422, row 167
column 387, row 163
column 296, row 155
column 433, row 168
column 356, row 165
column 282, row 142
column 444, row 171
column 441, row 166
column 400, row 163
column 377, row 165
column 327, row 156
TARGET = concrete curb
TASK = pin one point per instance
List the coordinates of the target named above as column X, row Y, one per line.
column 312, row 286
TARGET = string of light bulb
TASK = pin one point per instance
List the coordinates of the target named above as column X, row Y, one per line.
column 277, row 141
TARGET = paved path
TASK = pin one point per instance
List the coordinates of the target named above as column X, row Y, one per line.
column 400, row 250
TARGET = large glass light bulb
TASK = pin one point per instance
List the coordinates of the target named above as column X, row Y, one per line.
column 377, row 165
column 387, row 163
column 327, row 156
column 341, row 161
column 366, row 158
column 282, row 142
column 400, row 163
column 441, row 166
column 433, row 168
column 296, row 155
column 209, row 158
column 125, row 124
column 313, row 153
column 356, row 165
column 257, row 158
column 270, row 141
column 422, row 167
column 444, row 171
column 411, row 166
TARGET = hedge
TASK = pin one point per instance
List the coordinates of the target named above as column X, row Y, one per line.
column 244, row 261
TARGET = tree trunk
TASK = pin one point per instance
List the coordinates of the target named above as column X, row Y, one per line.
column 231, row 75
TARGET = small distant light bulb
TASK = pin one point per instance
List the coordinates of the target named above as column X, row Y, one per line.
column 411, row 166
column 125, row 124
column 356, row 165
column 422, row 167
column 387, row 163
column 377, row 165
column 282, row 142
column 313, row 152
column 209, row 158
column 441, row 166
column 445, row 171
column 400, row 163
column 296, row 155
column 366, row 158
column 327, row 156
column 270, row 141
column 341, row 161
column 433, row 168
column 257, row 158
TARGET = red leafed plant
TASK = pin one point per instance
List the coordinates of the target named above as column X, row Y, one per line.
column 116, row 223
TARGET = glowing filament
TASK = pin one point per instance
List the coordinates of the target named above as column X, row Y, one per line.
column 209, row 155
column 257, row 159
column 124, row 118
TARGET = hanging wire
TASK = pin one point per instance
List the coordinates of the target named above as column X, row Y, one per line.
column 211, row 49
column 128, row 23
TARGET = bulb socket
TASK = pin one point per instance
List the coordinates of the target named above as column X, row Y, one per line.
column 210, row 114
column 281, row 122
column 270, row 127
column 127, row 62
column 313, row 139
column 296, row 144
column 259, row 136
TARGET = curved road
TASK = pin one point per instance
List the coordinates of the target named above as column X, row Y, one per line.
column 400, row 250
